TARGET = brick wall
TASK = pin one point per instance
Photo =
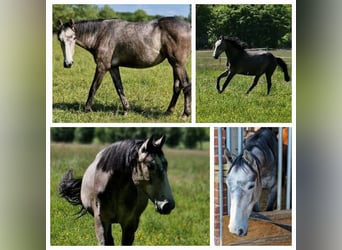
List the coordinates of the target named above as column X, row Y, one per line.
column 216, row 185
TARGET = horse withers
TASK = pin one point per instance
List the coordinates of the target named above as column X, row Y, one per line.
column 241, row 61
column 250, row 172
column 117, row 185
column 115, row 43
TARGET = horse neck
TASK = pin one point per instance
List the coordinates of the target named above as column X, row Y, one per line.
column 232, row 52
column 86, row 34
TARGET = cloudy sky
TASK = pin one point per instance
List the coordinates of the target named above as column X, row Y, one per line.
column 154, row 9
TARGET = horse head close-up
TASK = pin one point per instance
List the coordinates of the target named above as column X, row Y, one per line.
column 116, row 43
column 117, row 185
column 251, row 171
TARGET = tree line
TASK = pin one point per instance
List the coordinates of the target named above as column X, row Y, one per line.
column 259, row 25
column 175, row 137
column 65, row 12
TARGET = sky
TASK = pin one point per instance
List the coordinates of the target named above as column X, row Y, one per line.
column 155, row 9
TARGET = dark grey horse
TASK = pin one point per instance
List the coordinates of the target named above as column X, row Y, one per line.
column 117, row 185
column 254, row 169
column 245, row 62
column 114, row 43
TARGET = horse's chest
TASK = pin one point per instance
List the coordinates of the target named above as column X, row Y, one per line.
column 124, row 204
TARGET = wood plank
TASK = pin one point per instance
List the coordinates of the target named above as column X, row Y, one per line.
column 260, row 232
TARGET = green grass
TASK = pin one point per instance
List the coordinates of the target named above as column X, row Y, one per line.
column 148, row 92
column 188, row 224
column 233, row 105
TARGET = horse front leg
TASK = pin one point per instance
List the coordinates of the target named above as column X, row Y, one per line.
column 223, row 74
column 229, row 78
column 115, row 73
column 98, row 77
column 103, row 229
column 255, row 82
column 128, row 233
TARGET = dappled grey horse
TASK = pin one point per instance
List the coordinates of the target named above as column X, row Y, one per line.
column 254, row 169
column 116, row 187
column 114, row 43
column 245, row 62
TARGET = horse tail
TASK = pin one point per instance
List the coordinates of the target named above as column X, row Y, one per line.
column 70, row 188
column 283, row 66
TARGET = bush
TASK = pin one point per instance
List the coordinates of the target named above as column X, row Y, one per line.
column 62, row 134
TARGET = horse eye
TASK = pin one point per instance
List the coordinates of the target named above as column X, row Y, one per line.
column 250, row 187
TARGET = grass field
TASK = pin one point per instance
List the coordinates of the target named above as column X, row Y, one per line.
column 188, row 224
column 148, row 92
column 233, row 105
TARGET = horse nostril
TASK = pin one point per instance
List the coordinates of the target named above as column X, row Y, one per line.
column 67, row 65
column 164, row 207
column 241, row 232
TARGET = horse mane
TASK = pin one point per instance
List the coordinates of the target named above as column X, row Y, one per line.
column 88, row 26
column 236, row 42
column 261, row 140
column 120, row 156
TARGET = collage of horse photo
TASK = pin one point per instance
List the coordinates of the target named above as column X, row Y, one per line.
column 188, row 141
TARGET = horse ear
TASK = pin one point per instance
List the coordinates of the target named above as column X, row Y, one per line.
column 72, row 23
column 60, row 23
column 159, row 142
column 229, row 156
column 248, row 156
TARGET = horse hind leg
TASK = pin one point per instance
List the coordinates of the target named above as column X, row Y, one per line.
column 181, row 82
column 255, row 82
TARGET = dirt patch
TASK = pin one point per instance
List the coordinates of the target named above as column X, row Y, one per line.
column 260, row 232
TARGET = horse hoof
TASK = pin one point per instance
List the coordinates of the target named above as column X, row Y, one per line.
column 185, row 117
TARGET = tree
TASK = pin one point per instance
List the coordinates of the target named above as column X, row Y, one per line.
column 62, row 134
column 84, row 135
column 107, row 12
column 140, row 16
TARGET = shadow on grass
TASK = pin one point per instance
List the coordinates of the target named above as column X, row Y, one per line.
column 146, row 112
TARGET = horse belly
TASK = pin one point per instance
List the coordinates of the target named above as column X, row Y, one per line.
column 134, row 60
column 138, row 50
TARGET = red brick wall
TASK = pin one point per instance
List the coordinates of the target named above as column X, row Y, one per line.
column 216, row 185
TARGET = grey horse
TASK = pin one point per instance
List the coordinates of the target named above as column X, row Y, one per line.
column 250, row 172
column 115, row 43
column 117, row 185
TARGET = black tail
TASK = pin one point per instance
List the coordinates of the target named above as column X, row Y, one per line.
column 70, row 189
column 283, row 66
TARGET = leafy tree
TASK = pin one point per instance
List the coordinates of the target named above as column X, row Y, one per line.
column 140, row 15
column 84, row 135
column 62, row 134
column 107, row 12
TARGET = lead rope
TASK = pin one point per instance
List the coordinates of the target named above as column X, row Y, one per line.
column 261, row 217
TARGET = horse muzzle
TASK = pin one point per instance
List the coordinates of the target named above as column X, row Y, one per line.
column 68, row 64
column 164, row 207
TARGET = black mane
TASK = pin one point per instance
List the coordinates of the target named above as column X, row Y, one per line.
column 236, row 42
column 120, row 156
